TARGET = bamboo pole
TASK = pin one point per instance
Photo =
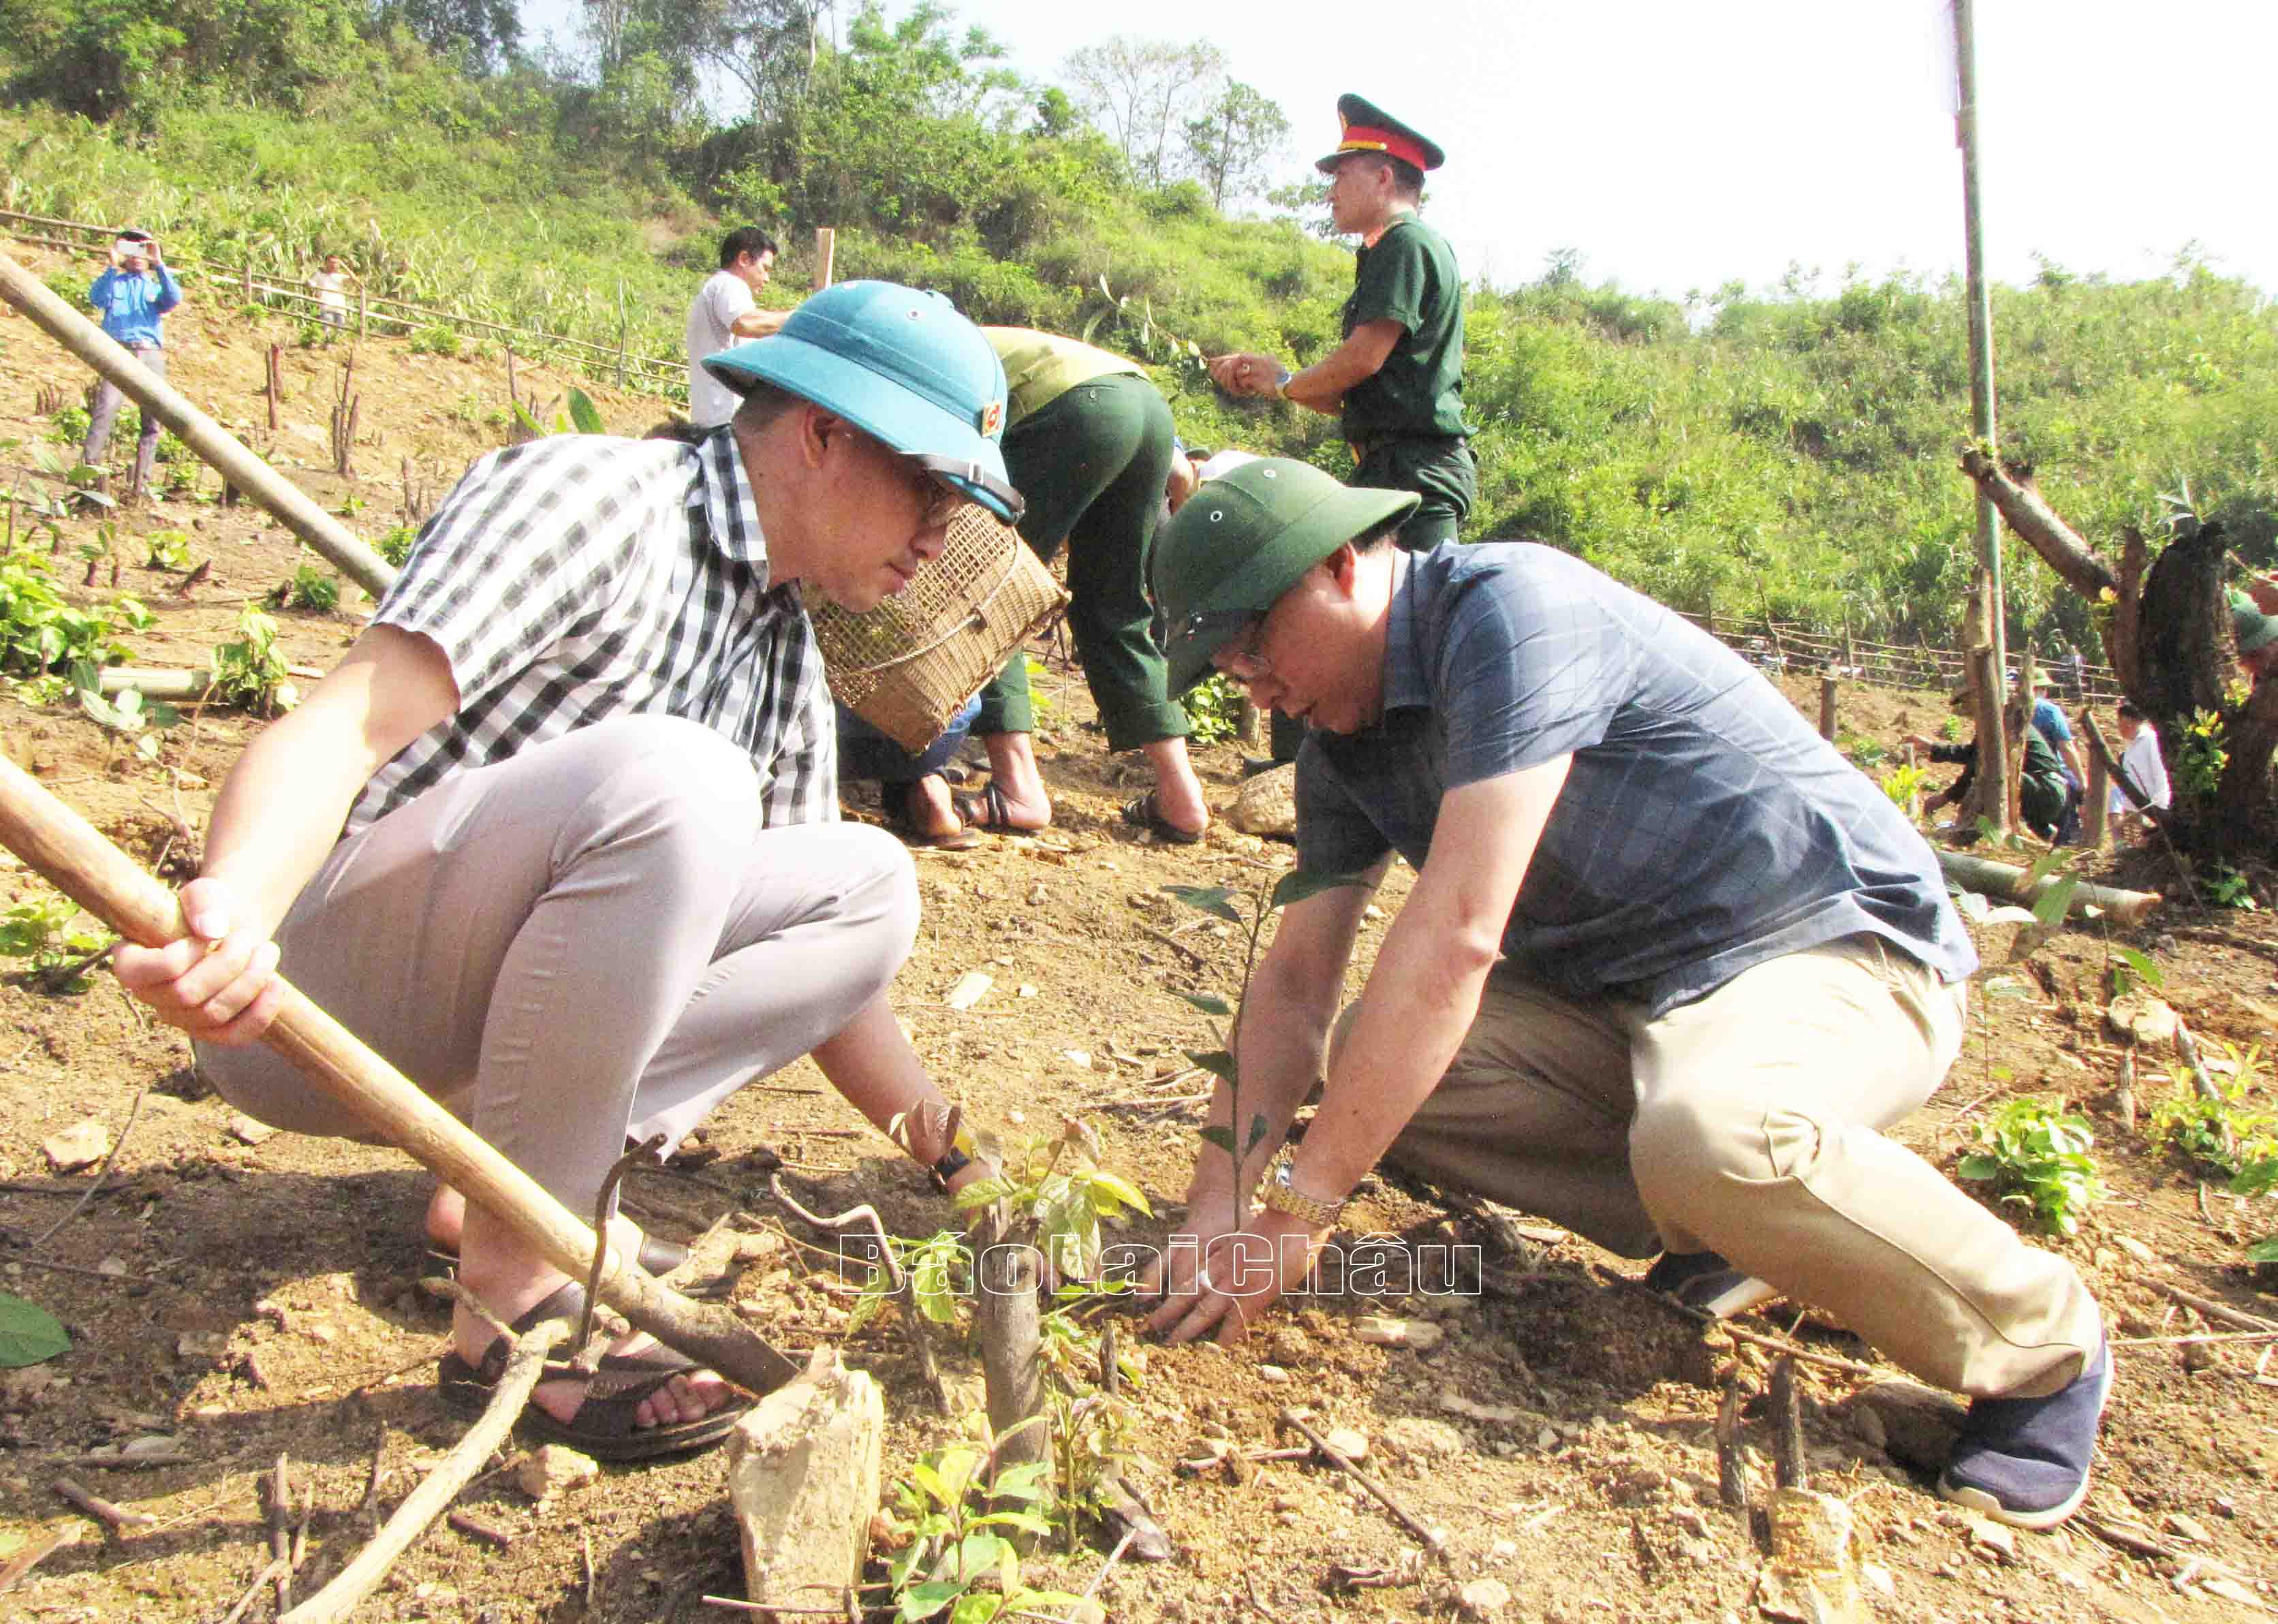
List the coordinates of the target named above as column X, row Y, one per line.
column 212, row 442
column 1981, row 312
column 826, row 253
column 68, row 851
column 2007, row 883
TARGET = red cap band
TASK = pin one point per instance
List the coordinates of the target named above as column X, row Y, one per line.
column 1368, row 138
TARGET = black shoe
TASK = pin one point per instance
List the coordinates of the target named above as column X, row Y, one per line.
column 1704, row 1282
column 2024, row 1461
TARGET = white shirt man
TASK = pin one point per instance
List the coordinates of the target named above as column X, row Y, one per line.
column 723, row 314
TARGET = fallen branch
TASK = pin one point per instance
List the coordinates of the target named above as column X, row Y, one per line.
column 101, row 1174
column 2185, row 1342
column 261, row 1580
column 912, row 1319
column 427, row 1502
column 2219, row 1312
column 118, row 1518
column 1400, row 1514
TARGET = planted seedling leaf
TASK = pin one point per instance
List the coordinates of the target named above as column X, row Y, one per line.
column 1210, row 899
column 2263, row 1251
column 1217, row 1062
column 2147, row 970
column 1209, row 1003
column 29, row 1334
column 1299, row 883
column 1256, row 1132
column 1219, row 1135
column 2031, row 939
column 582, row 414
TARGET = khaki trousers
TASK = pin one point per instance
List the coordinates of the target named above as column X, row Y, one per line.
column 592, row 940
column 1747, row 1123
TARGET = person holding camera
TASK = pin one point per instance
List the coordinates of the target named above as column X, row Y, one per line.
column 131, row 296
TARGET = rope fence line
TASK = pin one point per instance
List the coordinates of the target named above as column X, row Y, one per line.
column 1784, row 645
column 657, row 372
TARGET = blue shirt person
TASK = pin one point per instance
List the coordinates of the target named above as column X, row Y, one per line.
column 130, row 296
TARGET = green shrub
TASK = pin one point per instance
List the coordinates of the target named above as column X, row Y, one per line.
column 435, row 341
column 2036, row 1153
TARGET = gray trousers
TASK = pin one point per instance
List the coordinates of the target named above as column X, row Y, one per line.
column 108, row 399
column 592, row 940
column 1747, row 1122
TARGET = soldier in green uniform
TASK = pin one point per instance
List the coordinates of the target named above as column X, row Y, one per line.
column 1396, row 382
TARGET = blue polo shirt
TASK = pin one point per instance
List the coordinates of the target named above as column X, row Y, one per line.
column 1703, row 827
column 130, row 303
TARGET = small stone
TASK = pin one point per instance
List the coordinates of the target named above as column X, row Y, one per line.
column 1385, row 1332
column 1288, row 1345
column 1878, row 1580
column 971, row 988
column 201, row 1344
column 1415, row 1438
column 1287, row 1503
column 82, row 1144
column 111, row 1269
column 1351, row 1445
column 2231, row 1591
column 1080, row 1059
column 1272, row 1373
column 245, row 1131
column 2135, row 1249
column 1027, row 990
column 1484, row 1598
column 1503, row 1551
column 1546, row 1439
column 552, row 1468
column 2190, row 1529
column 1267, row 804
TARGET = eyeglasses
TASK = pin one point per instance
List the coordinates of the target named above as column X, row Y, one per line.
column 939, row 501
column 1242, row 661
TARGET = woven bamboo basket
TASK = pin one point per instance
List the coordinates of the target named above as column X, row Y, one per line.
column 907, row 666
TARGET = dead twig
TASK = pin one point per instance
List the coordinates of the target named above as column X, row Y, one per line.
column 117, row 1519
column 261, row 1580
column 604, row 1205
column 2184, row 1342
column 121, row 1462
column 1406, row 1519
column 866, row 1215
column 475, row 1527
column 1249, row 1594
column 279, row 1489
column 2219, row 1312
column 425, row 1504
column 101, row 1174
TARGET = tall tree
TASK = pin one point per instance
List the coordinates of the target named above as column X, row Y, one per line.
column 487, row 31
column 1145, row 90
column 1234, row 143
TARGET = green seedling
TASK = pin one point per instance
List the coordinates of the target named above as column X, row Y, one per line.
column 310, row 588
column 130, row 716
column 1218, row 901
column 959, row 1555
column 2035, row 1154
column 251, row 672
column 396, row 545
column 165, row 549
column 45, row 934
column 1213, row 709
column 1904, row 784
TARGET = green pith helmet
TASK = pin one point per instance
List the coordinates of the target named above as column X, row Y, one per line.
column 901, row 365
column 1246, row 538
column 2253, row 630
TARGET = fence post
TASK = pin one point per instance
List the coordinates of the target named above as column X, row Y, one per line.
column 624, row 332
column 1827, row 686
column 363, row 304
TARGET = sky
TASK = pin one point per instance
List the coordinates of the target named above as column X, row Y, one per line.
column 1678, row 145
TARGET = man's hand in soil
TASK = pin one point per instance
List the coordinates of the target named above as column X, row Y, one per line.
column 1242, row 1275
column 218, row 984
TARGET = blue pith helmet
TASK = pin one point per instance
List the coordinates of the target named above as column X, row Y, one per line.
column 902, row 365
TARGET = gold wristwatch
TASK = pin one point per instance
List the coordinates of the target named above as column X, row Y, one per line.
column 1277, row 1194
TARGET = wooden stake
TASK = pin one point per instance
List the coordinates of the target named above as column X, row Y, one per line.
column 1731, row 1473
column 826, row 250
column 1788, row 1467
column 1827, row 686
column 276, row 388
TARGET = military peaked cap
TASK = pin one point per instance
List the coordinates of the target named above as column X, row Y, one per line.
column 1369, row 128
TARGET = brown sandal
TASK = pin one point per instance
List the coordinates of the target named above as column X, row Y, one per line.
column 607, row 1424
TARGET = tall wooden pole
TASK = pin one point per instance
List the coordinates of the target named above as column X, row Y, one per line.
column 1981, row 317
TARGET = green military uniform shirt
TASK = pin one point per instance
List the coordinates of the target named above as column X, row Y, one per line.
column 1410, row 277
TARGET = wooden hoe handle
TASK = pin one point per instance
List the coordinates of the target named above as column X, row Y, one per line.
column 76, row 858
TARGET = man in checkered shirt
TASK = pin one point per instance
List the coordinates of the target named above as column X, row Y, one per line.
column 1670, row 967
column 559, row 835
